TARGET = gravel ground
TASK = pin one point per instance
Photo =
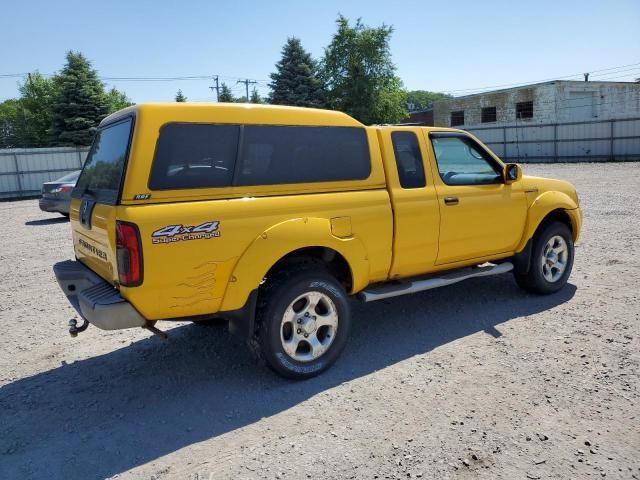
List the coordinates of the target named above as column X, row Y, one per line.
column 476, row 380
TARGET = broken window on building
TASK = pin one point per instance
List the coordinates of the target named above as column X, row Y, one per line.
column 524, row 110
column 489, row 114
column 457, row 118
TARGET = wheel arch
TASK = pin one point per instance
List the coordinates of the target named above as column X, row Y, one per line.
column 297, row 239
column 560, row 208
column 552, row 205
column 332, row 260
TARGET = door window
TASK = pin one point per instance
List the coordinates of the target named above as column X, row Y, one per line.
column 461, row 162
column 408, row 159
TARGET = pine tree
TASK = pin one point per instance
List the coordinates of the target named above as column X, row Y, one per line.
column 296, row 80
column 180, row 97
column 225, row 94
column 255, row 97
column 117, row 100
column 80, row 103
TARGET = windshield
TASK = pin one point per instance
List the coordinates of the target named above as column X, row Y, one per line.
column 69, row 177
column 103, row 170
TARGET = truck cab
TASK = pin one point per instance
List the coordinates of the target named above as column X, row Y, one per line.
column 270, row 217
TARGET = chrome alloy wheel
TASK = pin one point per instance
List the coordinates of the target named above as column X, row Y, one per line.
column 309, row 326
column 555, row 256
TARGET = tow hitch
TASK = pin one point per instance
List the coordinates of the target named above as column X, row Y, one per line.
column 74, row 329
column 150, row 325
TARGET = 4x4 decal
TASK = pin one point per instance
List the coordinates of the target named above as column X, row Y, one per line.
column 178, row 233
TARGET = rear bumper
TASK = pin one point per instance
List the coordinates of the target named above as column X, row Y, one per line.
column 54, row 205
column 94, row 299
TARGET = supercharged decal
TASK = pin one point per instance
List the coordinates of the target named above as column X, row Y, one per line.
column 178, row 233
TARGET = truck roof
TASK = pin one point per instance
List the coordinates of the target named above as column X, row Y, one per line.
column 248, row 112
column 397, row 126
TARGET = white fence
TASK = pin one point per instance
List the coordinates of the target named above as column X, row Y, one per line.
column 24, row 170
column 593, row 141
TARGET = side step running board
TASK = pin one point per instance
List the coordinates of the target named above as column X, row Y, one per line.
column 387, row 290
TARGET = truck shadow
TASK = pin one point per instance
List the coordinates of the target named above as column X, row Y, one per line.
column 47, row 221
column 110, row 413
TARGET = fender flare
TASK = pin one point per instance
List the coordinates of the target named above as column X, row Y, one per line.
column 542, row 206
column 283, row 238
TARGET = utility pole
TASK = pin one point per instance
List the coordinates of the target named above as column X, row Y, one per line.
column 217, row 88
column 246, row 84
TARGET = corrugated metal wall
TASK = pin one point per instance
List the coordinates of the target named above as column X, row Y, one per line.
column 24, row 170
column 600, row 140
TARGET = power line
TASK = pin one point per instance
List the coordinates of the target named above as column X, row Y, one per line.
column 606, row 79
column 593, row 73
column 146, row 79
column 616, row 72
column 489, row 87
column 603, row 72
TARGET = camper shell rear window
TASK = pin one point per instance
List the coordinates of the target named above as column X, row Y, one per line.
column 190, row 155
column 101, row 176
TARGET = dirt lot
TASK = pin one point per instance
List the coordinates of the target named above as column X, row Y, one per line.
column 477, row 380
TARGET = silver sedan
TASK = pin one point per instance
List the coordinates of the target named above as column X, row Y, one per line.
column 56, row 195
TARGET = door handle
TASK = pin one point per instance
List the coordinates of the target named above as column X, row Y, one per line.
column 451, row 200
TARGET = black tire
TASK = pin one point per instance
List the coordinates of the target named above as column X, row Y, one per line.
column 276, row 296
column 534, row 280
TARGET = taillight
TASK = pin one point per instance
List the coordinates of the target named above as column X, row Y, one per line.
column 128, row 254
column 62, row 189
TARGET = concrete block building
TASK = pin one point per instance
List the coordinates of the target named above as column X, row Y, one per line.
column 551, row 121
column 559, row 101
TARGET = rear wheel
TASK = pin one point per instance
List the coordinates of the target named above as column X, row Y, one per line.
column 303, row 322
column 551, row 260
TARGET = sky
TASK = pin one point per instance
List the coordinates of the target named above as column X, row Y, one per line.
column 457, row 46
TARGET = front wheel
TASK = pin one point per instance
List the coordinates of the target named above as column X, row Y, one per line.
column 303, row 322
column 551, row 260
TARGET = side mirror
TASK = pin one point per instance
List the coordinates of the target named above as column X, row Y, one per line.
column 512, row 173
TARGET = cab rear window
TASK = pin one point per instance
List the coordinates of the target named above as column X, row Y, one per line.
column 101, row 176
column 206, row 156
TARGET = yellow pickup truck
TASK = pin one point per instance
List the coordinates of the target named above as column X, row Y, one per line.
column 271, row 217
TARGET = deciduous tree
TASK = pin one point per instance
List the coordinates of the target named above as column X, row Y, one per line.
column 36, row 101
column 360, row 75
column 9, row 124
column 421, row 99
